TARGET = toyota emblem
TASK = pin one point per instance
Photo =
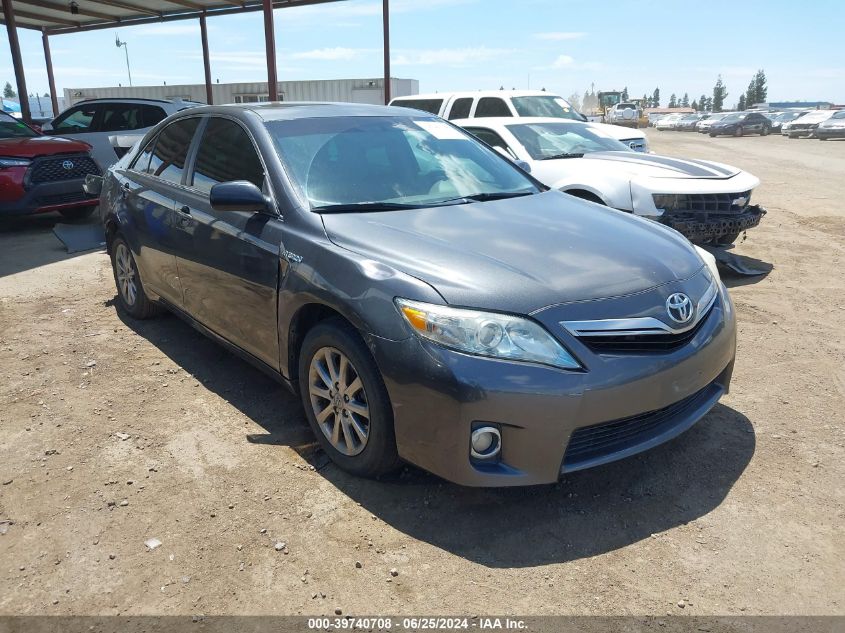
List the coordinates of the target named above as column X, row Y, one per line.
column 67, row 165
column 679, row 307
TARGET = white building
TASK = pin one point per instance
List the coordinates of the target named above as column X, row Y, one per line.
column 348, row 90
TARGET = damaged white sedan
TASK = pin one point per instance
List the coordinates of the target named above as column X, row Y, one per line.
column 709, row 203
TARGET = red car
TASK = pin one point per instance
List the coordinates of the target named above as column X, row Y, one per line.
column 39, row 173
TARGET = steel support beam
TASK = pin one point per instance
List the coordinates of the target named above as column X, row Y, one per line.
column 51, row 80
column 385, row 14
column 270, row 46
column 17, row 62
column 206, row 62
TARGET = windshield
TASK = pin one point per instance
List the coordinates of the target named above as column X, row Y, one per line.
column 546, row 141
column 378, row 163
column 545, row 106
column 736, row 116
column 10, row 127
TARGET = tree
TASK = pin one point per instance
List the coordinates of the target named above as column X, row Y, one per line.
column 655, row 98
column 8, row 91
column 694, row 105
column 702, row 101
column 720, row 93
column 741, row 104
column 575, row 101
column 685, row 101
column 673, row 101
column 625, row 93
column 750, row 95
column 761, row 90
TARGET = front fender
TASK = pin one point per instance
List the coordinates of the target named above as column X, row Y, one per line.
column 361, row 290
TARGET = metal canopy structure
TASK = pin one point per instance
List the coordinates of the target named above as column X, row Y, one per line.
column 57, row 17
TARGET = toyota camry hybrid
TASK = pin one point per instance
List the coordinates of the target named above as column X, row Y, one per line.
column 428, row 300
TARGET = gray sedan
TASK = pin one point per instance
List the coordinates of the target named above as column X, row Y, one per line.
column 428, row 300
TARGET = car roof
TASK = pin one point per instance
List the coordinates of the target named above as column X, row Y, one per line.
column 289, row 110
column 133, row 100
column 479, row 93
column 511, row 120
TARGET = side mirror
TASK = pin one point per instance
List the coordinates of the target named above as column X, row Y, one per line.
column 523, row 165
column 46, row 127
column 238, row 195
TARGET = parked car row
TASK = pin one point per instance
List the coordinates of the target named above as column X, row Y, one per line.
column 428, row 299
column 821, row 124
column 513, row 103
column 42, row 168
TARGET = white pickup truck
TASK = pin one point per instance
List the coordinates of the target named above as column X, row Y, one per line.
column 513, row 103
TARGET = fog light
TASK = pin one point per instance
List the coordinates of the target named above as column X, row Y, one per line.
column 486, row 442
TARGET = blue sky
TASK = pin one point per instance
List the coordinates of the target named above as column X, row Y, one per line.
column 562, row 45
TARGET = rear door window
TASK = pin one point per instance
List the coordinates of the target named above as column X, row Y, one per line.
column 226, row 153
column 460, row 109
column 492, row 106
column 150, row 115
column 167, row 160
column 120, row 117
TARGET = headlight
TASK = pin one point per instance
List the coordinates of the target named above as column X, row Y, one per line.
column 13, row 162
column 710, row 261
column 486, row 334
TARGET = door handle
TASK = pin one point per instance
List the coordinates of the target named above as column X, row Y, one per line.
column 185, row 209
column 126, row 188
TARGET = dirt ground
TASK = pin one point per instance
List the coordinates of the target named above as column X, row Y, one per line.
column 116, row 432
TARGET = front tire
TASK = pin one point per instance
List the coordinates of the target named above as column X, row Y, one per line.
column 739, row 132
column 765, row 131
column 131, row 297
column 345, row 400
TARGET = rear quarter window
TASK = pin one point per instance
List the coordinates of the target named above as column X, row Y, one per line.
column 432, row 106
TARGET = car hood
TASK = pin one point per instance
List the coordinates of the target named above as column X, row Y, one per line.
column 40, row 146
column 654, row 166
column 522, row 254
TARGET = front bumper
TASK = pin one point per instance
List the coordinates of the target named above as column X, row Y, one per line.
column 713, row 226
column 801, row 133
column 49, row 196
column 439, row 396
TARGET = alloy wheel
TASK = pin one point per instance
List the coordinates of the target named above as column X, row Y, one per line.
column 126, row 274
column 339, row 401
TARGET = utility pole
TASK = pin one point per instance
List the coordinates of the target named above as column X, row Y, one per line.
column 125, row 46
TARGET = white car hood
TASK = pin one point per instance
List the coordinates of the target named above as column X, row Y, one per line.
column 653, row 166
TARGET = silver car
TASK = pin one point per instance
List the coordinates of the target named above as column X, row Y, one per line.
column 98, row 121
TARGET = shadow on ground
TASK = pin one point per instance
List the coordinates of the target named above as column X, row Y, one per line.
column 28, row 242
column 587, row 513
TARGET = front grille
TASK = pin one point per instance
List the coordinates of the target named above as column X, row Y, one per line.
column 703, row 202
column 641, row 343
column 601, row 440
column 62, row 198
column 59, row 168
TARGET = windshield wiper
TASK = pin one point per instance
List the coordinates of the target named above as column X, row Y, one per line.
column 366, row 206
column 484, row 197
column 564, row 155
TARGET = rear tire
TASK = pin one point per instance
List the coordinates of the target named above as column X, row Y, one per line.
column 79, row 213
column 345, row 400
column 131, row 297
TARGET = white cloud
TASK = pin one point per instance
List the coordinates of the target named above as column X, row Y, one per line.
column 329, row 54
column 570, row 63
column 560, row 36
column 448, row 56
